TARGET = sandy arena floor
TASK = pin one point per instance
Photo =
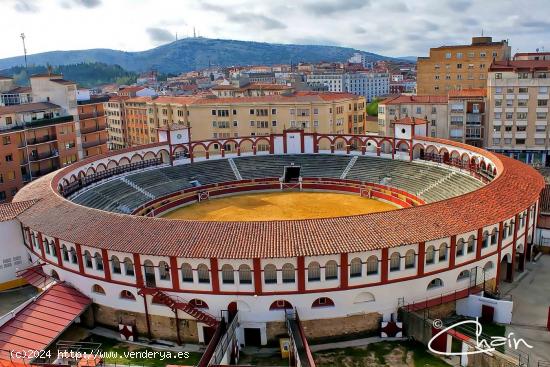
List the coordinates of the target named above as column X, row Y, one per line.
column 279, row 206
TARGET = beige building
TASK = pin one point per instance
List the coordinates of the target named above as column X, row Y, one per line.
column 459, row 67
column 336, row 113
column 116, row 122
column 434, row 109
column 467, row 116
column 517, row 104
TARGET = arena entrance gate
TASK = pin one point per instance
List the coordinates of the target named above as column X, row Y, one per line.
column 291, row 178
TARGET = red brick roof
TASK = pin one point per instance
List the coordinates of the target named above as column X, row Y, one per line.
column 472, row 92
column 56, row 216
column 520, row 65
column 405, row 99
column 410, row 121
column 28, row 107
column 12, row 210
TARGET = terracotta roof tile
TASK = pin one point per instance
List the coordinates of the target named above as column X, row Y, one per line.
column 10, row 211
column 406, row 99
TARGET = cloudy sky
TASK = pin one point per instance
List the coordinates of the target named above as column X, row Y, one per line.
column 388, row 27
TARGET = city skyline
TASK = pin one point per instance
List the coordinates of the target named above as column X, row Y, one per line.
column 361, row 24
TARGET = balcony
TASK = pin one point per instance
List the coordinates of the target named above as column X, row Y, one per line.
column 37, row 123
column 93, row 129
column 473, row 119
column 91, row 115
column 42, row 156
column 88, row 144
column 42, row 140
column 44, row 171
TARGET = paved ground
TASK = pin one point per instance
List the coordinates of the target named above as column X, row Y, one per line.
column 12, row 298
column 531, row 296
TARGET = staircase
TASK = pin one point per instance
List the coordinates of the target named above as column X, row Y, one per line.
column 176, row 303
column 235, row 169
column 437, row 183
column 349, row 167
column 144, row 192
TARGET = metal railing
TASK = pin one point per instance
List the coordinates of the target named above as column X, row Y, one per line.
column 224, row 344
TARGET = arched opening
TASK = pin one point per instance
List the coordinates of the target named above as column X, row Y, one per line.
column 115, row 265
column 494, row 236
column 340, row 145
column 270, row 274
column 314, row 272
column 463, row 275
column 246, row 147
column 486, row 239
column 198, row 303
column 430, row 255
column 372, row 265
column 410, row 259
column 386, row 147
column 88, row 260
column 150, row 278
column 364, row 297
column 506, row 268
column 55, row 275
column 280, row 304
column 371, row 145
column 460, row 247
column 289, row 273
column 395, row 261
column 324, row 143
column 471, row 244
column 322, row 302
column 128, row 267
column 331, row 270
column 434, row 284
column 164, row 270
column 443, row 251
column 245, row 274
column 186, row 273
column 203, row 273
column 98, row 261
column 228, row 275
column 64, row 253
column 96, row 288
column 136, row 158
column 489, row 266
column 356, row 268
column 127, row 295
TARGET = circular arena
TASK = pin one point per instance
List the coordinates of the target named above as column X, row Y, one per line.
column 158, row 235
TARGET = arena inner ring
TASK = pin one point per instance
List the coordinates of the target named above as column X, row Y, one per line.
column 467, row 218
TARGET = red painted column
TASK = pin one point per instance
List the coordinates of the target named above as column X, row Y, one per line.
column 106, row 264
column 223, row 152
column 215, row 275
column 526, row 246
column 257, row 269
column 499, row 249
column 138, row 270
column 301, row 274
column 344, row 270
column 302, row 142
column 271, row 144
column 58, row 252
column 41, row 243
column 378, row 151
column 452, row 253
column 315, row 143
column 78, row 250
column 421, row 257
column 174, row 273
column 384, row 264
column 284, row 141
column 479, row 243
column 363, row 149
column 514, row 250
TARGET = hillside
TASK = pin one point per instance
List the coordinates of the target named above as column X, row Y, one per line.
column 195, row 53
column 84, row 74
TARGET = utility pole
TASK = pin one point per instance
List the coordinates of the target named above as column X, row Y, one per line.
column 24, row 51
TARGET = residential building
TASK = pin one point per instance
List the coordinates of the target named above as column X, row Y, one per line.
column 137, row 91
column 366, row 84
column 250, row 90
column 12, row 94
column 532, row 56
column 35, row 139
column 116, row 122
column 467, row 116
column 431, row 108
column 517, row 100
column 335, row 113
column 93, row 125
column 459, row 67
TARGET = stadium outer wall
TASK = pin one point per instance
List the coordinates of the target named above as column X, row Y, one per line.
column 354, row 299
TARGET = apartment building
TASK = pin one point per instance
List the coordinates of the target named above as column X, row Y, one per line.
column 93, row 125
column 12, row 94
column 459, row 67
column 434, row 109
column 517, row 105
column 366, row 84
column 209, row 118
column 250, row 90
column 466, row 117
column 532, row 56
column 116, row 122
column 35, row 139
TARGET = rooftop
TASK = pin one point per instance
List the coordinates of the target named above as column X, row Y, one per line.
column 10, row 211
column 28, row 107
column 411, row 121
column 520, row 65
column 473, row 92
column 62, row 81
column 407, row 99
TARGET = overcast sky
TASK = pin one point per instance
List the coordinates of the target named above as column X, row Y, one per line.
column 388, row 27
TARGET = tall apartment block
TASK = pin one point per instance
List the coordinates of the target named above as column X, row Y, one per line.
column 116, row 122
column 467, row 116
column 93, row 126
column 459, row 67
column 517, row 101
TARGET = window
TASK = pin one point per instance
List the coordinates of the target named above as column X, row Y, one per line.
column 186, row 273
column 540, row 103
column 127, row 295
column 447, row 55
column 471, row 244
column 273, row 111
column 395, row 261
column 270, row 274
column 251, row 111
column 459, row 66
column 280, row 305
column 9, row 158
column 464, row 274
column 245, row 274
column 6, row 140
column 88, row 260
column 523, row 90
column 435, row 283
column 498, row 75
column 96, row 288
column 314, row 272
column 65, row 253
column 356, row 268
column 430, row 255
column 289, row 273
column 459, row 55
column 115, row 263
column 203, row 273
column 372, row 265
column 460, row 247
column 164, row 270
column 443, row 252
column 486, row 239
column 228, row 276
column 410, row 259
column 331, row 270
column 129, row 267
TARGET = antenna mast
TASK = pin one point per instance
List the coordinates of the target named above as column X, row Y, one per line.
column 24, row 51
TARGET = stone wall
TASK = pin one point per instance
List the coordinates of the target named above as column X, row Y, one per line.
column 356, row 324
column 161, row 327
column 276, row 330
